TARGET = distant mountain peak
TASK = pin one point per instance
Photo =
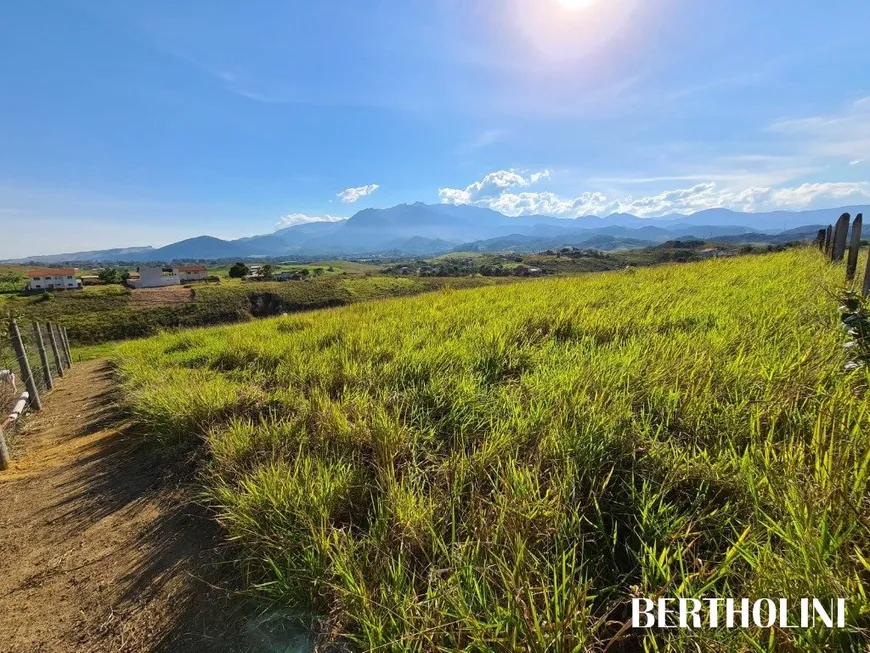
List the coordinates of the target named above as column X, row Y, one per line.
column 421, row 228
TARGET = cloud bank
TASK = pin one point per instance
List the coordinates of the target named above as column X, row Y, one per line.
column 508, row 191
column 293, row 219
column 351, row 195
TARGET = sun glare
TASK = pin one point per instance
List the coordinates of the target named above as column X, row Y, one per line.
column 574, row 5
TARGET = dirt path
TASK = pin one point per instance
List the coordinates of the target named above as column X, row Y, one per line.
column 100, row 549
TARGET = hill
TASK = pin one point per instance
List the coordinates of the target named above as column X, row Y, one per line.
column 105, row 313
column 201, row 247
column 419, row 229
column 472, row 470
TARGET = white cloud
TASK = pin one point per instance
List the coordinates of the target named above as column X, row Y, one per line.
column 351, row 195
column 491, row 187
column 496, row 191
column 856, row 162
column 293, row 219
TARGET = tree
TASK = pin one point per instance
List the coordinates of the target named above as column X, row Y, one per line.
column 239, row 270
column 267, row 271
column 108, row 275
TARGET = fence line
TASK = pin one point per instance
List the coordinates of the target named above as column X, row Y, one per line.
column 53, row 337
column 43, row 355
column 832, row 243
column 24, row 356
column 854, row 246
column 840, row 231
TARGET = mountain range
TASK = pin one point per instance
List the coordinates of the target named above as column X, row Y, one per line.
column 425, row 229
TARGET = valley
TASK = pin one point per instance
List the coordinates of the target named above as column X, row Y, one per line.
column 431, row 229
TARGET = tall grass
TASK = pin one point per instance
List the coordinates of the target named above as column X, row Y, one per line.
column 504, row 468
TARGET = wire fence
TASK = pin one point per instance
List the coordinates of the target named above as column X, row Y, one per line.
column 33, row 356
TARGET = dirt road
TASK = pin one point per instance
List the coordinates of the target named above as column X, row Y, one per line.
column 101, row 548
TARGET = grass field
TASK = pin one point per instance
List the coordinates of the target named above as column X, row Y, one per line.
column 503, row 468
column 104, row 313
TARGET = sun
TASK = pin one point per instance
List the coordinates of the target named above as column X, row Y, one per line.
column 575, row 5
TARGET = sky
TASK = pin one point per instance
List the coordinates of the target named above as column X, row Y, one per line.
column 130, row 124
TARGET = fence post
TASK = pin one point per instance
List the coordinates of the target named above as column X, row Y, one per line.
column 854, row 246
column 52, row 336
column 43, row 355
column 62, row 345
column 840, row 234
column 866, row 288
column 66, row 350
column 829, row 236
column 820, row 240
column 4, row 453
column 24, row 364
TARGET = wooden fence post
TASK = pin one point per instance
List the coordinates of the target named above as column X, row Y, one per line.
column 829, row 236
column 866, row 288
column 840, row 233
column 52, row 336
column 4, row 453
column 43, row 355
column 854, row 246
column 66, row 350
column 60, row 343
column 24, row 365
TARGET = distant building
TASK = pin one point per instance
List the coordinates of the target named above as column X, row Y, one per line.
column 715, row 252
column 159, row 277
column 286, row 276
column 192, row 273
column 54, row 279
column 523, row 271
column 90, row 280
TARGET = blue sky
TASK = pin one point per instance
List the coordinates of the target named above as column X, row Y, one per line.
column 131, row 123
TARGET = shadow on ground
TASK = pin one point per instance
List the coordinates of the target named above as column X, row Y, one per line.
column 182, row 592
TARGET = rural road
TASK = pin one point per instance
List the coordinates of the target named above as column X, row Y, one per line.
column 101, row 549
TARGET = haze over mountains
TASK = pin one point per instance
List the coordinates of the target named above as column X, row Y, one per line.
column 424, row 229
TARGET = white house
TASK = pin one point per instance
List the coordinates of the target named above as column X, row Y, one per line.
column 192, row 273
column 155, row 278
column 54, row 279
column 159, row 277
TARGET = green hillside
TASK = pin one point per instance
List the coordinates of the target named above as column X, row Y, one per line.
column 104, row 313
column 503, row 468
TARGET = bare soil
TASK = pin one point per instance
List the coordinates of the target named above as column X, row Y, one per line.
column 157, row 297
column 102, row 549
